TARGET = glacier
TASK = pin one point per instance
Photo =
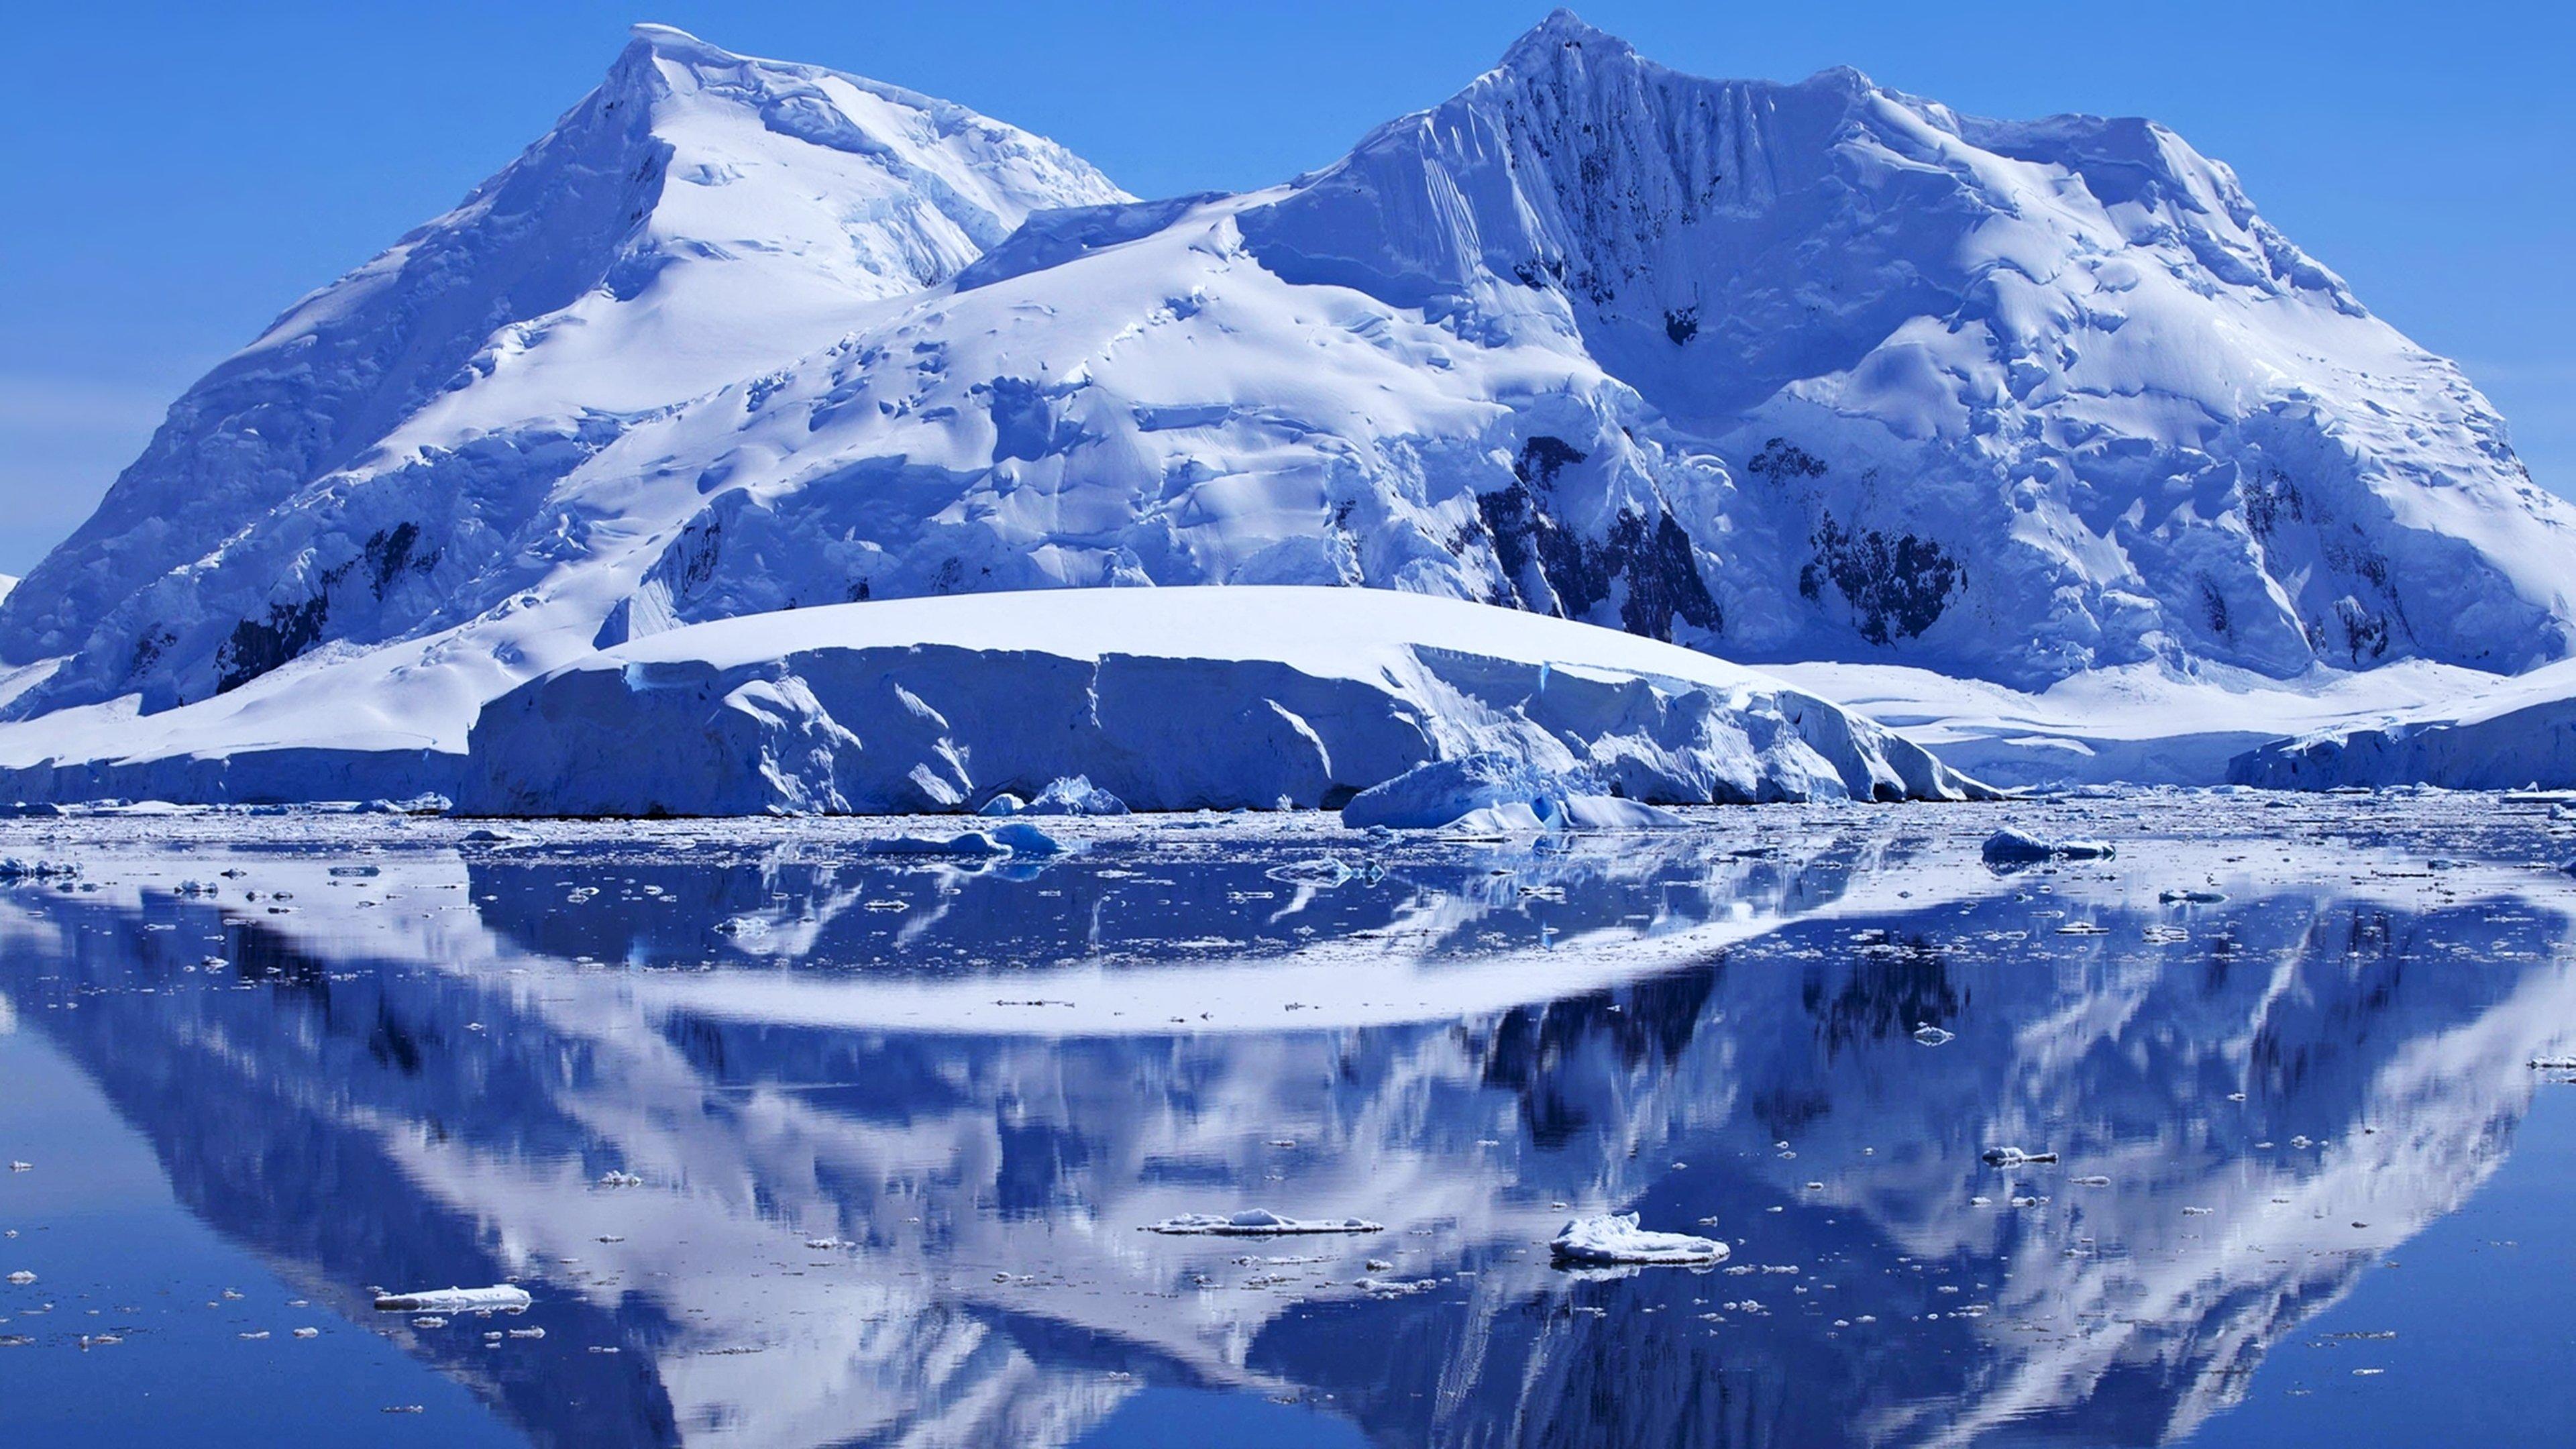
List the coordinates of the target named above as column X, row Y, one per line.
column 1815, row 374
column 2512, row 734
column 1167, row 699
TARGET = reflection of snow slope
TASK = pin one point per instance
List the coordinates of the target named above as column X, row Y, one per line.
column 949, row 1156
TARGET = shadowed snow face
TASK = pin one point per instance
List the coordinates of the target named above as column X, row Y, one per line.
column 832, row 1147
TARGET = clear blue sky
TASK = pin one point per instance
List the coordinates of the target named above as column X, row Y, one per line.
column 179, row 173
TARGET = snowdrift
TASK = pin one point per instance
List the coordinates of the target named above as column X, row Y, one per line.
column 1170, row 699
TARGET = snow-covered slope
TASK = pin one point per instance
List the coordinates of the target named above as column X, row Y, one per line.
column 1172, row 699
column 1777, row 372
column 2506, row 735
column 381, row 460
column 2141, row 723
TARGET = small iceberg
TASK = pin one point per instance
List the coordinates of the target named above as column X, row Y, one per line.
column 1019, row 838
column 968, row 843
column 1615, row 1238
column 1072, row 795
column 1022, row 838
column 2019, row 847
column 1490, row 793
column 2015, row 1157
column 12, row 868
column 1259, row 1223
column 1075, row 796
column 2190, row 895
column 500, row 1299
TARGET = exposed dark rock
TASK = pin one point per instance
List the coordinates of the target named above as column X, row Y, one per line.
column 1897, row 587
column 1657, row 563
column 260, row 645
column 1781, row 460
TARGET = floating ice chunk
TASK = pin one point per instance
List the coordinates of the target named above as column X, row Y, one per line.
column 355, row 872
column 1259, row 1223
column 308, row 1333
column 1395, row 1288
column 1930, row 1035
column 968, row 843
column 2190, row 895
column 2542, row 1064
column 2015, row 1157
column 1022, row 838
column 1002, row 805
column 2009, row 846
column 1075, row 796
column 620, row 1179
column 1616, row 1238
column 1492, row 793
column 499, row 839
column 22, row 1277
column 12, row 868
column 503, row 1298
column 429, row 803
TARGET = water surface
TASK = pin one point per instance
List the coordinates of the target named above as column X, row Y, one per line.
column 796, row 1144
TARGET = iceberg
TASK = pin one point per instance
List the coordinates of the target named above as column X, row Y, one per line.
column 1611, row 1239
column 501, row 1299
column 2012, row 846
column 1258, row 1223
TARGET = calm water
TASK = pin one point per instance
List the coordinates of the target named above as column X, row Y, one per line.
column 792, row 1144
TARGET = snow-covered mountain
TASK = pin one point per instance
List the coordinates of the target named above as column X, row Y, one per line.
column 381, row 460
column 1777, row 371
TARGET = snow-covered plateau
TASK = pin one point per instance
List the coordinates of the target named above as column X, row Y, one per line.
column 1777, row 373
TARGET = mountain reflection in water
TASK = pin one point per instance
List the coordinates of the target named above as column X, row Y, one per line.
column 898, row 1124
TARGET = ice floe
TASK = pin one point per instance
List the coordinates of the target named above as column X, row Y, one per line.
column 1615, row 1238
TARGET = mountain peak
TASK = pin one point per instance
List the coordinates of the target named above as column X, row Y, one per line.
column 673, row 41
column 1562, row 30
